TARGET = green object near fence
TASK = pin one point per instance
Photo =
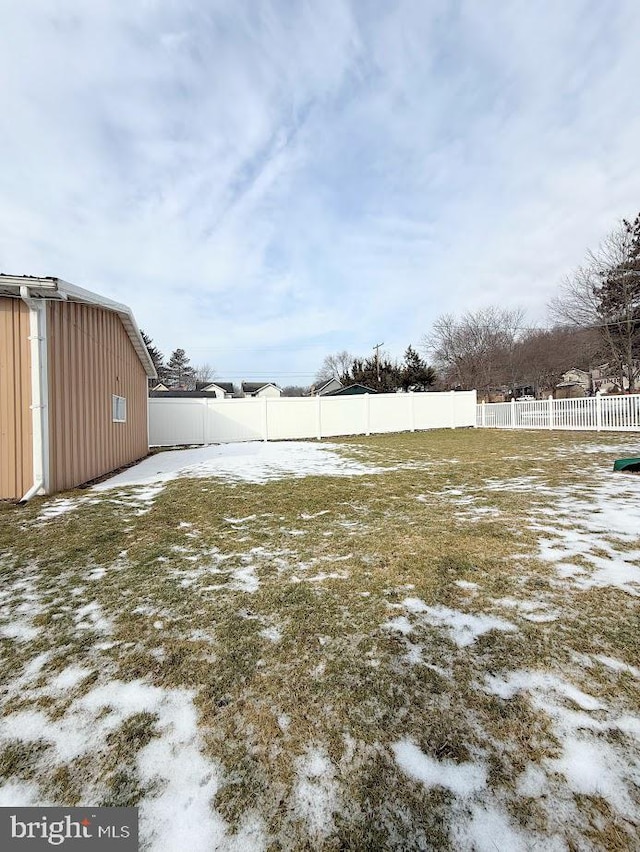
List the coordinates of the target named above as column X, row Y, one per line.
column 629, row 465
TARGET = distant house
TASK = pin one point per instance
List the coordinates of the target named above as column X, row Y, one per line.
column 604, row 380
column 326, row 387
column 576, row 383
column 223, row 390
column 261, row 389
column 350, row 390
column 159, row 387
column 74, row 373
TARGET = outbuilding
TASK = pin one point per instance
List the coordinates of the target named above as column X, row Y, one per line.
column 74, row 373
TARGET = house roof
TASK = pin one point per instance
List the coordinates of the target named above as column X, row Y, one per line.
column 172, row 393
column 253, row 387
column 56, row 288
column 321, row 385
column 352, row 389
column 227, row 387
column 576, row 370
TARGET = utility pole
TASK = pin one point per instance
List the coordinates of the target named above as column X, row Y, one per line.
column 377, row 347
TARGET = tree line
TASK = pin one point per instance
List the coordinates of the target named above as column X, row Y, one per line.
column 595, row 319
column 379, row 373
column 177, row 372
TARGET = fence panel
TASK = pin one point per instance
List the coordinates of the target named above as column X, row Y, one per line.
column 230, row 420
column 596, row 413
column 389, row 412
column 290, row 417
column 343, row 415
column 177, row 422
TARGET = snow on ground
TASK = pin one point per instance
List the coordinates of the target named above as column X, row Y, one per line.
column 255, row 461
column 479, row 821
column 597, row 756
column 599, row 528
column 58, row 507
column 463, row 628
column 461, row 778
column 315, row 793
column 598, row 747
column 172, row 765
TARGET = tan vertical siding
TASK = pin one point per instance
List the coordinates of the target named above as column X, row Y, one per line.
column 91, row 358
column 16, row 428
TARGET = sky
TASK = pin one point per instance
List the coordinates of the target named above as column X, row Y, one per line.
column 265, row 182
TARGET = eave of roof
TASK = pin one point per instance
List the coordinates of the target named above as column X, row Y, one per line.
column 254, row 387
column 56, row 288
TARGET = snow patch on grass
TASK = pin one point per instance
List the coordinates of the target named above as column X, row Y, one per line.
column 69, row 678
column 255, row 461
column 59, row 506
column 91, row 617
column 592, row 761
column 617, row 665
column 463, row 627
column 172, row 765
column 597, row 529
column 19, row 631
column 245, row 579
column 461, row 778
column 316, row 792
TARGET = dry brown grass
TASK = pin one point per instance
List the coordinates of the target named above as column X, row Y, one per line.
column 335, row 678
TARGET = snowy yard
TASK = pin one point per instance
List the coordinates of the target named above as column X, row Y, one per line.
column 426, row 641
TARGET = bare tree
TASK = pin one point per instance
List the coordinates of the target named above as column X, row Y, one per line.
column 204, row 373
column 477, row 350
column 336, row 366
column 541, row 356
column 604, row 294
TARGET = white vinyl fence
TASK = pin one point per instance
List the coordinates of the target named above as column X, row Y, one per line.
column 598, row 413
column 177, row 422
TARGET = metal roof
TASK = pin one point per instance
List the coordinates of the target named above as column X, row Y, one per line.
column 56, row 288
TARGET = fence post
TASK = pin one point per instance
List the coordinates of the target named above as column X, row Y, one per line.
column 551, row 424
column 412, row 413
column 265, row 420
column 367, row 414
column 204, row 421
column 318, row 419
column 483, row 415
column 598, row 412
column 452, row 409
column 513, row 413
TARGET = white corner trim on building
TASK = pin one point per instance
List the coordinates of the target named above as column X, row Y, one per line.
column 39, row 393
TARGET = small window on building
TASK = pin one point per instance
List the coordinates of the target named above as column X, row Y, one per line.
column 119, row 409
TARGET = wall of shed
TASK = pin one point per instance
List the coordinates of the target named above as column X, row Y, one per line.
column 16, row 430
column 91, row 358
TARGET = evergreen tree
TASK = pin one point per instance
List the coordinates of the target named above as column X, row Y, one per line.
column 383, row 377
column 618, row 301
column 179, row 373
column 156, row 356
column 415, row 372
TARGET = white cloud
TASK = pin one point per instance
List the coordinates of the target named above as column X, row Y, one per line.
column 255, row 174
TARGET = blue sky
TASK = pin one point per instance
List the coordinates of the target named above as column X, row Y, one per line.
column 268, row 182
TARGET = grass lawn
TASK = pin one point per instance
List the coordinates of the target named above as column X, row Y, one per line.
column 438, row 648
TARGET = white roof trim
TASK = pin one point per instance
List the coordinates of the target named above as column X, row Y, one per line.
column 56, row 288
